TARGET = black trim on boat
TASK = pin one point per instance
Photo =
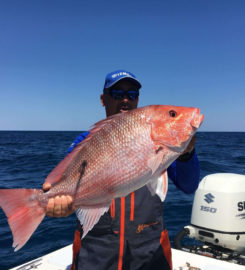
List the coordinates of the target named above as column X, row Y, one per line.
column 217, row 231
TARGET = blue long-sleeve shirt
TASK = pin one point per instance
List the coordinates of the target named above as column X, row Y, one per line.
column 184, row 174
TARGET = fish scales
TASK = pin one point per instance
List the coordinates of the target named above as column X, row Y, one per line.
column 115, row 165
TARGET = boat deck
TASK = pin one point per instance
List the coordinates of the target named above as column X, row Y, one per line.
column 61, row 260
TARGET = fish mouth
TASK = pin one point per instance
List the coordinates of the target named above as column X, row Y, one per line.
column 197, row 119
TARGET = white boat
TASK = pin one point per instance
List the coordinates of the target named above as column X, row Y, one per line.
column 61, row 260
column 218, row 222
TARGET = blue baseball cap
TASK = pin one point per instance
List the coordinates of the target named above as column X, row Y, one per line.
column 118, row 75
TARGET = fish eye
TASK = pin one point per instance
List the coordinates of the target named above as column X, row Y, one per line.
column 172, row 113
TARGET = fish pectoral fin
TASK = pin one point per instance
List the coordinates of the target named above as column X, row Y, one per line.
column 155, row 160
column 88, row 217
column 159, row 186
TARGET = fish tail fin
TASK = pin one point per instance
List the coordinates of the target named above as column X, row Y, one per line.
column 24, row 212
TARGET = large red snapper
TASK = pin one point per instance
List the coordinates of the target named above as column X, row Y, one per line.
column 121, row 154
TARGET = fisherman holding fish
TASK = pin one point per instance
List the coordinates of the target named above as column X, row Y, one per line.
column 131, row 235
column 116, row 176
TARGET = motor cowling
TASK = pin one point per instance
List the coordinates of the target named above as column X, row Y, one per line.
column 218, row 212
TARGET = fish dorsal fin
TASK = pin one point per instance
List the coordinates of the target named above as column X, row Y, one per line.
column 89, row 217
column 56, row 174
column 159, row 186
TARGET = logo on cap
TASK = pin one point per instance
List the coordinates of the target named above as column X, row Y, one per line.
column 120, row 74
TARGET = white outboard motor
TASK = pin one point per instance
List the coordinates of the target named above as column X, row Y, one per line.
column 218, row 219
column 218, row 212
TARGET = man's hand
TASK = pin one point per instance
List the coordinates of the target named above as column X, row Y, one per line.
column 191, row 145
column 60, row 206
column 188, row 153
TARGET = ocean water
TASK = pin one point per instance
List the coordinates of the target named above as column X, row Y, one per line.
column 26, row 158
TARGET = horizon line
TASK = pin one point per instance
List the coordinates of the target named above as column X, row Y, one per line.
column 44, row 130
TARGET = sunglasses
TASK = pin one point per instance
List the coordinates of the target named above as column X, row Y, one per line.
column 120, row 94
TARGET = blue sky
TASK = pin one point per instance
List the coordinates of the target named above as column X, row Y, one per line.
column 54, row 56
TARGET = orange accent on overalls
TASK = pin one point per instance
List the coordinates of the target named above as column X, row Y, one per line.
column 164, row 241
column 76, row 247
column 113, row 209
column 132, row 207
column 122, row 231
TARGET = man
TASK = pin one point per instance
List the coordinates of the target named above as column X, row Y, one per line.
column 132, row 234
